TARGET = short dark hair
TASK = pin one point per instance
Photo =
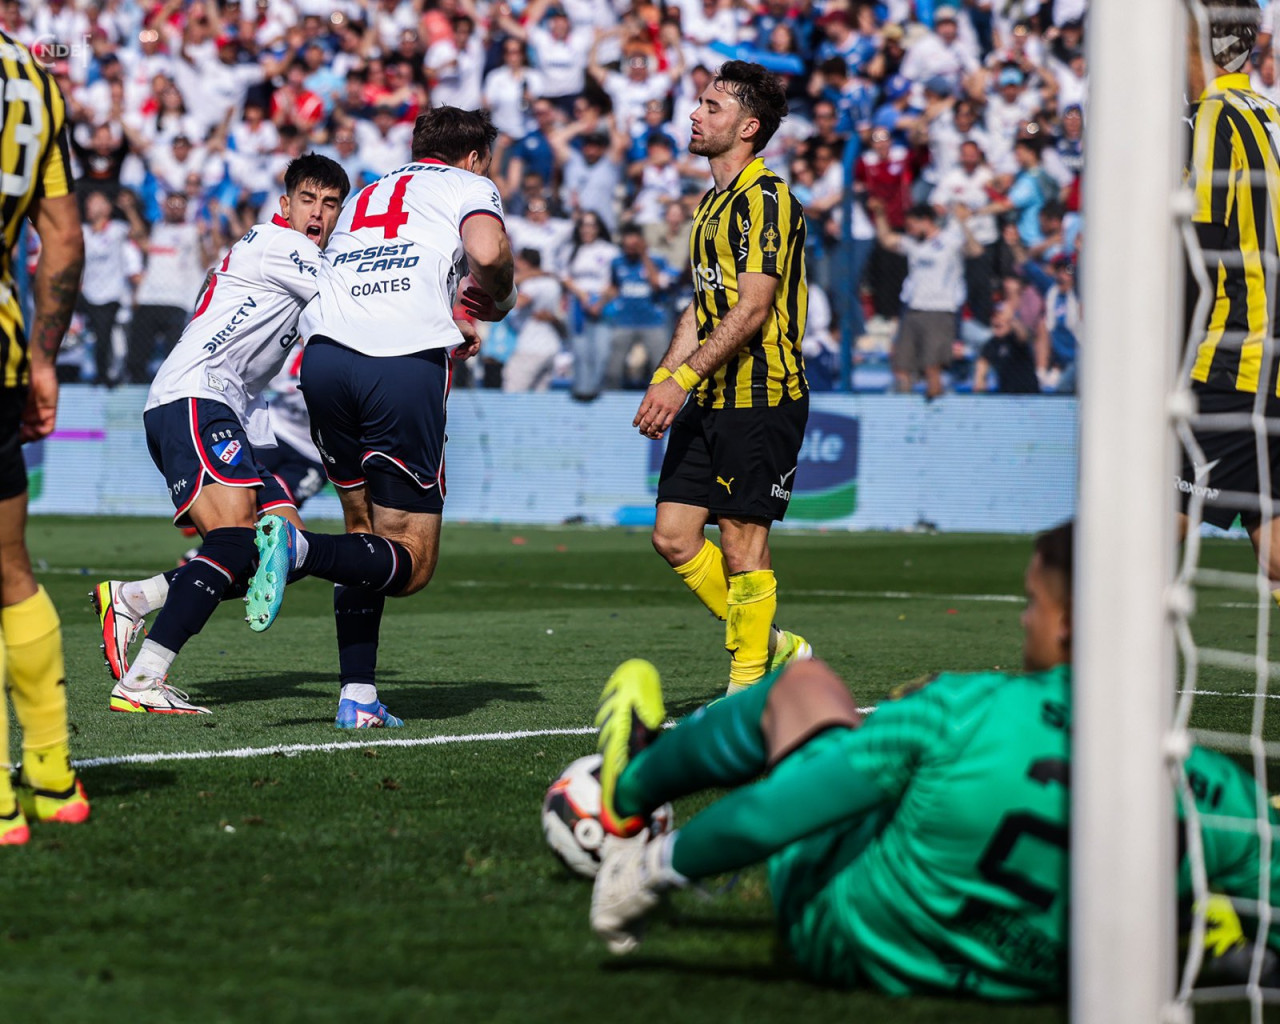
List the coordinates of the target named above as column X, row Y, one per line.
column 922, row 211
column 1056, row 548
column 1233, row 30
column 760, row 94
column 449, row 134
column 314, row 169
column 630, row 228
column 531, row 256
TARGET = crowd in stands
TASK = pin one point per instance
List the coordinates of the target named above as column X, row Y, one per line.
column 186, row 112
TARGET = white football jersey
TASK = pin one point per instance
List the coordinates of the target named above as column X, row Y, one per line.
column 392, row 267
column 244, row 326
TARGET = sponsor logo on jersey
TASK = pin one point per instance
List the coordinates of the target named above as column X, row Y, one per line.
column 378, row 257
column 301, row 264
column 229, row 452
column 238, row 318
column 215, row 382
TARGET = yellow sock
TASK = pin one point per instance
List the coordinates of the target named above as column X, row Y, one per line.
column 752, row 601
column 1275, row 596
column 706, row 575
column 38, row 685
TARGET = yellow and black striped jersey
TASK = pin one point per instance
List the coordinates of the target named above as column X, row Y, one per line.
column 34, row 162
column 1235, row 175
column 755, row 226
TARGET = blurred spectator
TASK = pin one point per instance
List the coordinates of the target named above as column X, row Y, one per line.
column 105, row 286
column 1058, row 336
column 884, row 174
column 1263, row 77
column 346, row 152
column 532, row 153
column 540, row 231
column 384, row 143
column 176, row 253
column 640, row 83
column 593, row 173
column 562, row 50
column 293, row 103
column 1032, row 188
column 455, row 66
column 586, row 277
column 971, row 185
column 941, row 53
column 538, row 324
column 1009, row 106
column 635, row 312
column 510, row 88
column 100, row 161
column 656, row 180
column 1007, row 355
column 932, row 293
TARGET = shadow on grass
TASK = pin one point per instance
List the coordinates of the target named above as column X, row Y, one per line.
column 413, row 701
column 117, row 780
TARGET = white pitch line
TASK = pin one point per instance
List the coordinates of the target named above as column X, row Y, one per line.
column 293, row 749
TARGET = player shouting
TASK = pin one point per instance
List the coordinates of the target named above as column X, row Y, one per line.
column 204, row 414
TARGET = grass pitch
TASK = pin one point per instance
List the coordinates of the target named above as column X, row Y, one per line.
column 351, row 878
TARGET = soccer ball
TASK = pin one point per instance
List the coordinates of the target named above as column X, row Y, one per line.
column 571, row 818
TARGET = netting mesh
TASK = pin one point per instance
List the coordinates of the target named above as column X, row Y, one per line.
column 1213, row 669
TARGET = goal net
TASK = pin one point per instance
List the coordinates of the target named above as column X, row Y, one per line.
column 1172, row 643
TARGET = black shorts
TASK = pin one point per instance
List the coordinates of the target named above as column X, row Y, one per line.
column 197, row 440
column 1230, row 462
column 734, row 462
column 301, row 477
column 13, row 470
column 379, row 421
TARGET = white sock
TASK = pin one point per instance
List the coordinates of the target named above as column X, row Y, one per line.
column 152, row 663
column 361, row 693
column 300, row 547
column 145, row 596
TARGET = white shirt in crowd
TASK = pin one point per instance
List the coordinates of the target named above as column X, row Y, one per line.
column 175, row 268
column 561, row 62
column 592, row 186
column 1003, row 121
column 931, row 57
column 380, row 153
column 935, row 272
column 406, row 283
column 971, row 190
column 658, row 187
column 458, row 74
column 945, row 140
column 104, row 279
column 549, row 238
column 589, row 266
column 630, row 96
column 244, row 325
column 504, row 95
column 535, row 337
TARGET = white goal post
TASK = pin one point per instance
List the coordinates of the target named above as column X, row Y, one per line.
column 1123, row 919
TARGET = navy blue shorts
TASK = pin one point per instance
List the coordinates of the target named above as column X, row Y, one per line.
column 379, row 421
column 194, row 441
column 301, row 477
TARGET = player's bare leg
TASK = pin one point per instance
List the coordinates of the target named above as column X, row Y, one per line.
column 32, row 660
column 807, row 699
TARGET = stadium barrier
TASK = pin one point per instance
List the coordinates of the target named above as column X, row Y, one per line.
column 873, row 462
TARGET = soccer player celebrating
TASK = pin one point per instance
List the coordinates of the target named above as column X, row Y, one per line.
column 923, row 849
column 375, row 376
column 733, row 450
column 1235, row 176
column 37, row 187
column 204, row 414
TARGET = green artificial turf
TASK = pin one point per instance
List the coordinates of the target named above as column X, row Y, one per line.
column 367, row 882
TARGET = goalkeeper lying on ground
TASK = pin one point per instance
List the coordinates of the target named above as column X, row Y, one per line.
column 923, row 850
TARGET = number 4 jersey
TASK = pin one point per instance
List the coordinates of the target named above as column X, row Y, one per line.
column 245, row 323
column 392, row 267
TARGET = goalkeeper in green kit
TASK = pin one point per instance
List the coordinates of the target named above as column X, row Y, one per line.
column 921, row 850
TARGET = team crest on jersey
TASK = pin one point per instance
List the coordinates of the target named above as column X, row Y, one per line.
column 229, row 452
column 770, row 239
column 710, row 228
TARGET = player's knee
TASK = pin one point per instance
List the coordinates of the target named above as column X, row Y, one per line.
column 675, row 546
column 17, row 581
column 231, row 549
column 805, row 700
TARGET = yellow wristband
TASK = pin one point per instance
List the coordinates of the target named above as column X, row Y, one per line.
column 659, row 375
column 686, row 377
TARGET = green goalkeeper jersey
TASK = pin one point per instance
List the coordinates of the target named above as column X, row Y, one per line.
column 957, row 880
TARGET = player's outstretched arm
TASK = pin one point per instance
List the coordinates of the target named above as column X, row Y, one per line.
column 56, row 286
column 484, row 240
